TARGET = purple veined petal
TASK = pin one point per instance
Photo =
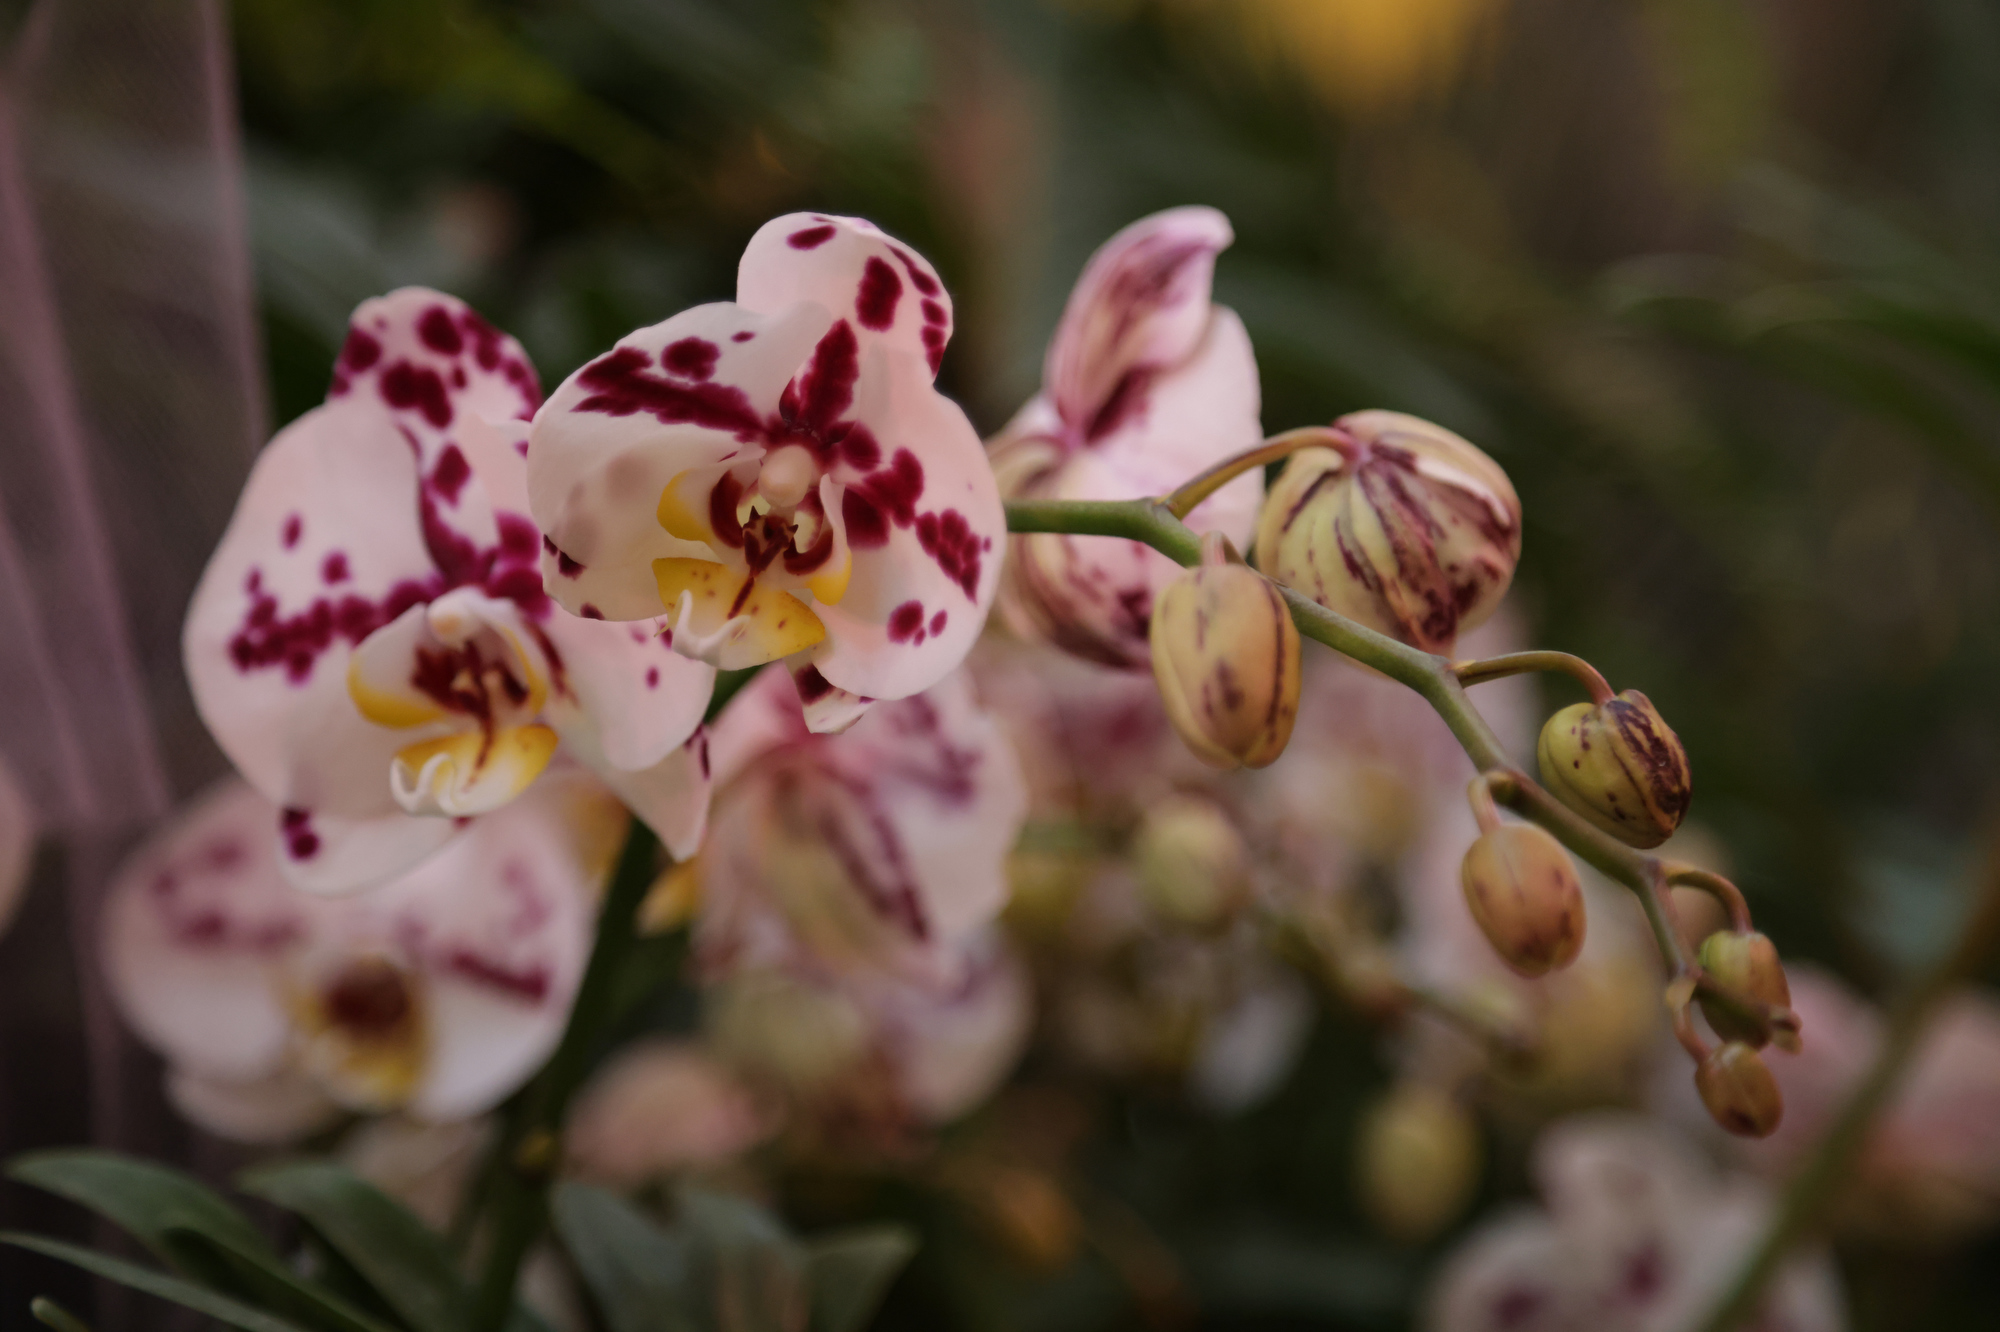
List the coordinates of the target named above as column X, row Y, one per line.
column 927, row 531
column 625, row 686
column 690, row 392
column 1140, row 308
column 848, row 266
column 1204, row 410
column 267, row 1112
column 195, row 928
column 428, row 360
column 764, row 717
column 495, row 930
column 1091, row 596
column 325, row 547
column 671, row 796
column 951, row 1048
column 827, row 708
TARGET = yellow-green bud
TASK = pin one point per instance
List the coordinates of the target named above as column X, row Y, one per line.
column 1619, row 765
column 1739, row 1091
column 1226, row 658
column 1193, row 865
column 1749, row 965
column 1399, row 524
column 1523, row 891
column 1419, row 1162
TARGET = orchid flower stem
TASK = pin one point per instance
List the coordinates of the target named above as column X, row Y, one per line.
column 1523, row 663
column 1814, row 1188
column 1183, row 501
column 1153, row 522
column 1721, row 889
column 513, row 1193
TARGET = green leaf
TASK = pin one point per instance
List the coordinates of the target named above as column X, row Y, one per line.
column 850, row 1271
column 394, row 1252
column 748, row 1273
column 161, row 1207
column 637, row 1273
column 171, row 1288
column 272, row 1285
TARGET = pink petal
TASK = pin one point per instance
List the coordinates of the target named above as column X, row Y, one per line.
column 763, row 717
column 1140, row 307
column 427, row 359
column 848, row 267
column 196, row 927
column 687, row 393
column 625, row 686
column 671, row 796
column 272, row 1111
column 952, row 1048
column 927, row 528
column 325, row 547
column 828, row 709
column 331, row 856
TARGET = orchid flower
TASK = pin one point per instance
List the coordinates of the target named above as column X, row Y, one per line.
column 779, row 476
column 881, row 848
column 1638, row 1234
column 436, row 994
column 371, row 643
column 1146, row 384
column 659, row 1106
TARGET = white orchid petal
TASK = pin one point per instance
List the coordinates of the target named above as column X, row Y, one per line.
column 848, row 266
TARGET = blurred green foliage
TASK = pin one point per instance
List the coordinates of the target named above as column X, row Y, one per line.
column 1714, row 281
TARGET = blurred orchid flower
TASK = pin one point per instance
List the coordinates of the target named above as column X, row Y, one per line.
column 437, row 993
column 1638, row 1233
column 875, row 1050
column 659, row 1106
column 878, row 849
column 1146, row 385
column 779, row 475
column 371, row 640
column 1931, row 1169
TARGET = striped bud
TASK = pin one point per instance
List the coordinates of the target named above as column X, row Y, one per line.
column 1619, row 765
column 1739, row 1091
column 1748, row 964
column 1397, row 523
column 1523, row 891
column 1226, row 658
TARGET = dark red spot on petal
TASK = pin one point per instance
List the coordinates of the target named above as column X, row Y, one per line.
column 293, row 526
column 810, row 239
column 591, row 612
column 825, row 388
column 438, row 331
column 334, row 568
column 691, row 358
column 949, row 539
column 937, row 624
column 652, row 677
column 906, row 621
column 866, row 527
column 295, row 826
column 409, row 386
column 812, row 685
column 922, row 281
column 620, row 386
column 448, row 478
column 875, row 299
column 743, row 336
column 360, row 351
column 859, row 447
column 933, row 312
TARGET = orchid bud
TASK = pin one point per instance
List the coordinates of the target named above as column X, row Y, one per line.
column 1397, row 523
column 1193, row 865
column 1419, row 1162
column 1619, row 765
column 1748, row 964
column 1226, row 658
column 1739, row 1091
column 1523, row 891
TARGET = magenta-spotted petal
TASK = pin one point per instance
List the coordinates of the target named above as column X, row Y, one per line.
column 427, row 359
column 639, row 699
column 850, row 268
column 689, row 393
column 927, row 532
column 1140, row 307
column 198, row 922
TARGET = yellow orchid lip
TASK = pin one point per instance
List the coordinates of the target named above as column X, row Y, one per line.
column 731, row 619
column 471, row 772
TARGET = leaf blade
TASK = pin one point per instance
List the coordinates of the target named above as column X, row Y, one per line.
column 160, row 1285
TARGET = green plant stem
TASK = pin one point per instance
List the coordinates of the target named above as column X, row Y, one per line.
column 513, row 1192
column 529, row 1149
column 1814, row 1188
column 1434, row 678
column 1183, row 501
column 50, row 1314
column 1523, row 663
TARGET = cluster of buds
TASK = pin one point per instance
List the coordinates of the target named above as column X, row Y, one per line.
column 1734, row 1082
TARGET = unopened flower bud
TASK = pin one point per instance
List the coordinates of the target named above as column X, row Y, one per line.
column 1748, row 964
column 1523, row 891
column 1419, row 1162
column 1193, row 865
column 1399, row 524
column 1619, row 765
column 1739, row 1091
column 1226, row 658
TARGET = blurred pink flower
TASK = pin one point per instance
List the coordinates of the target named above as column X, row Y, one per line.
column 1637, row 1233
column 1932, row 1165
column 437, row 993
column 371, row 641
column 882, row 848
column 659, row 1106
column 1146, row 384
column 740, row 456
